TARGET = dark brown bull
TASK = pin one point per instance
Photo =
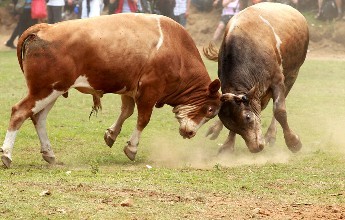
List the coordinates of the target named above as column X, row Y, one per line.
column 262, row 51
column 149, row 60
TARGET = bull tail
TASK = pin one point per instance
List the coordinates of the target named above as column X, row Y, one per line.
column 29, row 34
column 96, row 103
column 211, row 52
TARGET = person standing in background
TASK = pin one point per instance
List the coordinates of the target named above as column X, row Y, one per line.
column 166, row 7
column 54, row 8
column 181, row 11
column 91, row 8
column 230, row 8
column 125, row 6
column 25, row 21
column 338, row 4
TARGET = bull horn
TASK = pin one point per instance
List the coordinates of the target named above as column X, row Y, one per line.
column 227, row 97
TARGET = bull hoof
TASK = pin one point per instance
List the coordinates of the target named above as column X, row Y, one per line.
column 213, row 132
column 225, row 150
column 108, row 140
column 6, row 161
column 130, row 151
column 270, row 141
column 49, row 159
column 296, row 147
column 294, row 144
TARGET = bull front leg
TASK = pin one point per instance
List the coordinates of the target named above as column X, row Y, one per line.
column 144, row 115
column 291, row 139
column 145, row 99
column 127, row 110
column 215, row 130
column 229, row 144
column 270, row 136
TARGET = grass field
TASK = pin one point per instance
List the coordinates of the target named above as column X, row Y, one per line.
column 187, row 180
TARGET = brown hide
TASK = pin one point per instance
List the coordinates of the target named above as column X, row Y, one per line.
column 263, row 48
column 149, row 59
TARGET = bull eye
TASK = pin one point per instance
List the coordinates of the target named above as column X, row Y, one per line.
column 248, row 117
column 210, row 111
column 245, row 100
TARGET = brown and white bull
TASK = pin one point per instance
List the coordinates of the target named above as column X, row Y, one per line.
column 149, row 60
column 262, row 51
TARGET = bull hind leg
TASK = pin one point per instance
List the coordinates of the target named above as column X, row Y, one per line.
column 291, row 139
column 39, row 121
column 26, row 108
column 127, row 110
column 270, row 136
column 20, row 112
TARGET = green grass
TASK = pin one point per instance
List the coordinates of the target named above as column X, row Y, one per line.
column 187, row 180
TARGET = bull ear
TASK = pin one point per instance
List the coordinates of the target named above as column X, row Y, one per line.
column 252, row 92
column 214, row 87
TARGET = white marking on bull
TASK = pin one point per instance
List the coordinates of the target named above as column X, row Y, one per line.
column 81, row 81
column 181, row 113
column 279, row 42
column 135, row 137
column 161, row 38
column 42, row 132
column 276, row 102
column 40, row 104
column 7, row 147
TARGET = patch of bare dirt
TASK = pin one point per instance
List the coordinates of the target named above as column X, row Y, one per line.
column 210, row 205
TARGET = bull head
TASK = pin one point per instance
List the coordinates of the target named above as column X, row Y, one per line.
column 241, row 114
column 193, row 115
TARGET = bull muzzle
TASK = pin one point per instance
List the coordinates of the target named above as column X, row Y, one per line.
column 187, row 133
column 256, row 146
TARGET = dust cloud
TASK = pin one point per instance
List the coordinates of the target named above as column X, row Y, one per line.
column 201, row 153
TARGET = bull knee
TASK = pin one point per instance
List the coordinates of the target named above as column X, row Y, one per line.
column 280, row 114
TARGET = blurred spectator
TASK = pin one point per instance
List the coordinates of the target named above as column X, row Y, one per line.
column 230, row 8
column 181, row 11
column 123, row 6
column 325, row 8
column 146, row 6
column 286, row 2
column 54, row 8
column 203, row 5
column 166, row 7
column 25, row 21
column 112, row 6
column 72, row 10
column 14, row 2
column 91, row 8
column 246, row 3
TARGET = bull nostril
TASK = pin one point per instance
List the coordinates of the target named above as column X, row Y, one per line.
column 191, row 133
